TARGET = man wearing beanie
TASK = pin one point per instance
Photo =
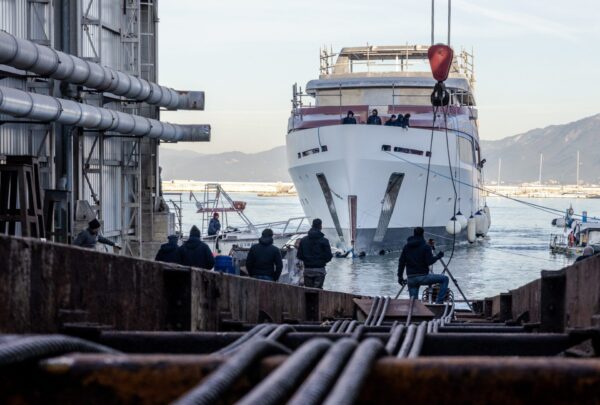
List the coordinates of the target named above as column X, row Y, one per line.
column 168, row 251
column 315, row 252
column 89, row 237
column 264, row 260
column 194, row 252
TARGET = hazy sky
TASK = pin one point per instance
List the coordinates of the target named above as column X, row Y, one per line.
column 536, row 62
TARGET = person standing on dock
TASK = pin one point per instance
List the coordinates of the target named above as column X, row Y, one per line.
column 315, row 252
column 214, row 226
column 416, row 257
column 194, row 252
column 264, row 260
column 349, row 119
column 168, row 251
column 89, row 237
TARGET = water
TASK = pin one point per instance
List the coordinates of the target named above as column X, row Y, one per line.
column 513, row 253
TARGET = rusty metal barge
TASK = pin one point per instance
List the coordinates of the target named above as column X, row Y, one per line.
column 128, row 330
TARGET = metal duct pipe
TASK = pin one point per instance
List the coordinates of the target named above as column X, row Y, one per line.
column 26, row 55
column 38, row 107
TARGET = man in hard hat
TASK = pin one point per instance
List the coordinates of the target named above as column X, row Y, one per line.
column 416, row 257
column 89, row 237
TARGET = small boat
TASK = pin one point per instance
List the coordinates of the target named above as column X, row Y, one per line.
column 575, row 239
column 217, row 200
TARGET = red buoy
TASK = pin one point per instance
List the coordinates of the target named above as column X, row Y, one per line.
column 440, row 59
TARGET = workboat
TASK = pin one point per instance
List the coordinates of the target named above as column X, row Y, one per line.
column 240, row 232
column 575, row 238
column 372, row 184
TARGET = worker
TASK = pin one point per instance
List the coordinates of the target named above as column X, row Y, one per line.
column 315, row 252
column 416, row 257
column 168, row 251
column 399, row 120
column 349, row 119
column 588, row 251
column 89, row 237
column 406, row 121
column 194, row 252
column 214, row 226
column 264, row 260
column 374, row 118
column 391, row 122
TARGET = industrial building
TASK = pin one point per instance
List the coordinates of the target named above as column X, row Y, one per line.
column 80, row 121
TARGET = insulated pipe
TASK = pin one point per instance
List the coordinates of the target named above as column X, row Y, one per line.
column 282, row 382
column 386, row 302
column 316, row 386
column 38, row 107
column 48, row 62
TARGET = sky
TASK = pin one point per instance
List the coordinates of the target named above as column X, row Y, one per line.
column 536, row 62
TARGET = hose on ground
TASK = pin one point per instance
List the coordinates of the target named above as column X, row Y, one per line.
column 372, row 310
column 343, row 326
column 407, row 343
column 417, row 345
column 358, row 332
column 262, row 333
column 392, row 344
column 42, row 346
column 278, row 386
column 242, row 339
column 335, row 326
column 322, row 378
column 351, row 380
column 281, row 331
column 386, row 302
column 213, row 387
column 351, row 326
column 377, row 312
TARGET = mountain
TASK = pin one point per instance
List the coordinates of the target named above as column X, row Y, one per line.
column 520, row 156
column 558, row 144
column 267, row 166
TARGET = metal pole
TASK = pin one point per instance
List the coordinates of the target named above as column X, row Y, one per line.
column 449, row 17
column 400, row 292
column 432, row 19
column 447, row 270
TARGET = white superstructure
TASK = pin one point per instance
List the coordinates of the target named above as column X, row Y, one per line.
column 368, row 182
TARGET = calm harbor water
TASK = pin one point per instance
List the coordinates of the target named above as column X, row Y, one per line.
column 513, row 253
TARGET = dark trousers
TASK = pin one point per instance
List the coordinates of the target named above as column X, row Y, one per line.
column 314, row 278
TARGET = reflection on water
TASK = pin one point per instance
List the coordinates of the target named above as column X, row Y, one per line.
column 513, row 253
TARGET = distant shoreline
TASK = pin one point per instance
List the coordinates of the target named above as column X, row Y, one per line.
column 265, row 189
column 544, row 191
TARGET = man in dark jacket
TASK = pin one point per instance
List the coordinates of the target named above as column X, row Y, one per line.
column 264, row 259
column 315, row 252
column 374, row 118
column 391, row 122
column 349, row 119
column 416, row 257
column 214, row 226
column 168, row 251
column 194, row 252
column 89, row 237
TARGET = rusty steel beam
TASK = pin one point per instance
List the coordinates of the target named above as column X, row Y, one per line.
column 502, row 344
column 158, row 379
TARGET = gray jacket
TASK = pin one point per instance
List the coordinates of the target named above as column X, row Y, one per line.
column 87, row 239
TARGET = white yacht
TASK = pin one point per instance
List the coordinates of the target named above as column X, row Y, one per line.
column 368, row 182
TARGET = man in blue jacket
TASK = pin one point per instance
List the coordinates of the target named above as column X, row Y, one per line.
column 315, row 252
column 264, row 260
column 214, row 226
column 416, row 257
column 194, row 252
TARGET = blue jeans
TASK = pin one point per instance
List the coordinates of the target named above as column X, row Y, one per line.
column 269, row 278
column 414, row 282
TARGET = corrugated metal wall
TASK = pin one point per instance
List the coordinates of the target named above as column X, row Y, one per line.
column 99, row 26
